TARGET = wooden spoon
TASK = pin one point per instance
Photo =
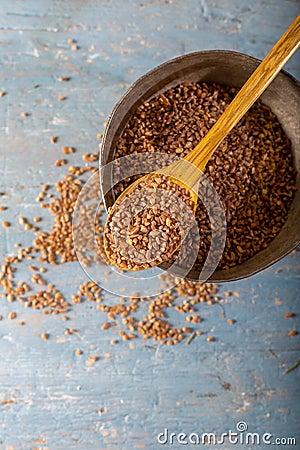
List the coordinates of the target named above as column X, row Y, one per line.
column 189, row 174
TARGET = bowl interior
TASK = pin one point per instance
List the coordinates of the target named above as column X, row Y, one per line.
column 232, row 69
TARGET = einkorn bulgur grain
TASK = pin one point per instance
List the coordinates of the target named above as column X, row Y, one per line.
column 252, row 171
column 138, row 238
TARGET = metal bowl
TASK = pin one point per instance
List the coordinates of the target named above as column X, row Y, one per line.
column 232, row 69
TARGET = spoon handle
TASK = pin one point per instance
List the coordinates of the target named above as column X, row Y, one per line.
column 248, row 94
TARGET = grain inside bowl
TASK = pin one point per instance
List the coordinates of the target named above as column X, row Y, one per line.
column 252, row 171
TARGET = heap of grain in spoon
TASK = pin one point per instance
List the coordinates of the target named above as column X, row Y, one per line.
column 148, row 225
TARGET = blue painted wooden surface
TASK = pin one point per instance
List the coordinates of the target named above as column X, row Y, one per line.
column 57, row 398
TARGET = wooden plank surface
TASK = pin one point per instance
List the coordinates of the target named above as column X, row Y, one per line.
column 50, row 398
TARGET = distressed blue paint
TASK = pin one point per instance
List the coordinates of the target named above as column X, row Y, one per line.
column 56, row 396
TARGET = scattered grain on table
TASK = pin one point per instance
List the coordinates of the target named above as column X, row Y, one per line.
column 92, row 360
column 68, row 150
column 231, row 321
column 60, row 162
column 293, row 333
column 289, row 315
